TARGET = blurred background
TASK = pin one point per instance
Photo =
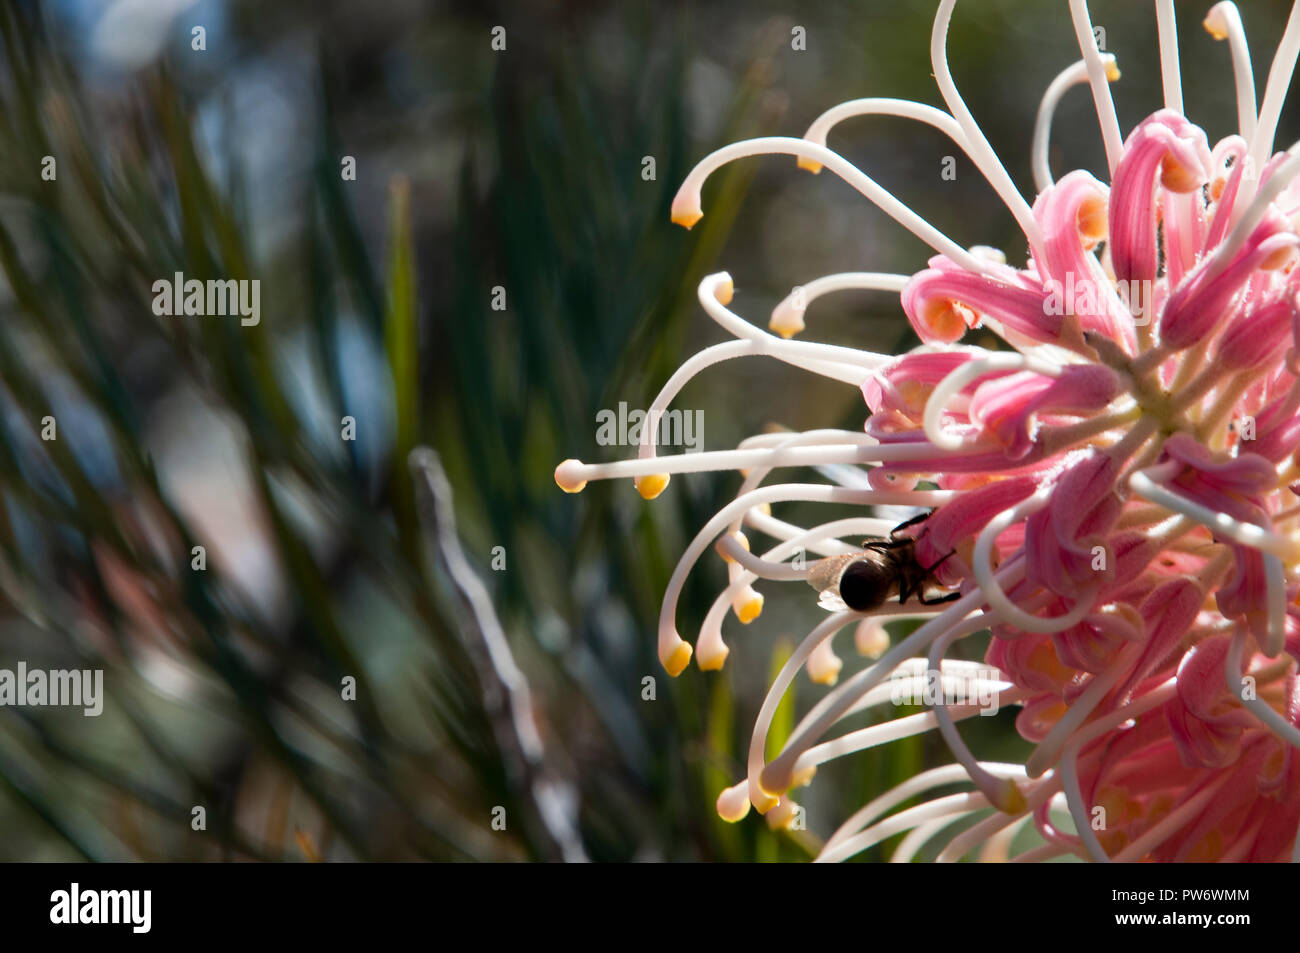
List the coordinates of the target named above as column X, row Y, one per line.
column 357, row 672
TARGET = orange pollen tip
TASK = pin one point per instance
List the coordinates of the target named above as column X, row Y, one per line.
column 1177, row 178
column 567, row 478
column 1278, row 259
column 687, row 218
column 946, row 318
column 651, row 485
column 1092, row 220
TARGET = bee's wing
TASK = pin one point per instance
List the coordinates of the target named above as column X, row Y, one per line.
column 824, row 576
column 825, row 573
column 830, row 601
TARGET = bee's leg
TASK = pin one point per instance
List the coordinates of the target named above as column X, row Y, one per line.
column 935, row 600
column 884, row 545
column 918, row 518
column 920, row 591
column 938, row 564
column 906, row 593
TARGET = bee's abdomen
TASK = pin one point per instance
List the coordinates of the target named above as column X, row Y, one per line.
column 866, row 585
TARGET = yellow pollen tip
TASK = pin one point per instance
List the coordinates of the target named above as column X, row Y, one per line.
column 827, row 676
column 871, row 639
column 1112, row 71
column 824, row 665
column 765, row 802
column 724, row 291
column 677, row 659
column 733, row 803
column 783, row 815
column 651, row 485
column 786, row 320
column 1010, row 800
column 712, row 660
column 809, row 165
column 566, row 476
column 751, row 609
column 1215, row 26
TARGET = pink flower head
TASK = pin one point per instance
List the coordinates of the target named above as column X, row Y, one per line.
column 1113, row 493
column 1073, row 218
column 1008, row 408
column 1165, row 156
column 897, row 393
column 946, row 299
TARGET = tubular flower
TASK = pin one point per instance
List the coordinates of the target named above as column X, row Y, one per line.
column 1113, row 495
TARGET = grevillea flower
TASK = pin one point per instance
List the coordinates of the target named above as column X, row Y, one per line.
column 1113, row 495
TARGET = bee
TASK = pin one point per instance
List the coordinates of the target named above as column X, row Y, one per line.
column 886, row 567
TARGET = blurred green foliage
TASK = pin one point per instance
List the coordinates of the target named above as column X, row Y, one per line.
column 478, row 170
